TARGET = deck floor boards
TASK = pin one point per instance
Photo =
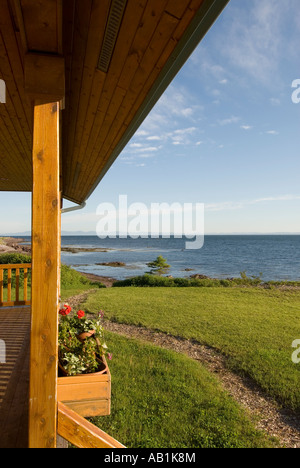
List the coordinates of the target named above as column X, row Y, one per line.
column 14, row 377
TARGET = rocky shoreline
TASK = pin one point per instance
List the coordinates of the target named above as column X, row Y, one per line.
column 10, row 245
column 13, row 245
column 75, row 250
column 107, row 281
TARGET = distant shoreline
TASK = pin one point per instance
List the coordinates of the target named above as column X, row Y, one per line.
column 13, row 245
column 107, row 281
column 93, row 234
column 270, row 258
column 10, row 245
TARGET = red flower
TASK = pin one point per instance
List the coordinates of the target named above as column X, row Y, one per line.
column 66, row 311
column 80, row 314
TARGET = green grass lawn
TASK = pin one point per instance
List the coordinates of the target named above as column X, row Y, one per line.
column 13, row 294
column 68, row 292
column 253, row 327
column 161, row 399
column 166, row 400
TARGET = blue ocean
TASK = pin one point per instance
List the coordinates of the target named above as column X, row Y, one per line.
column 276, row 257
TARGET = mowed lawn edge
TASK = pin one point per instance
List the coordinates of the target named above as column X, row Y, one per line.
column 253, row 327
column 162, row 399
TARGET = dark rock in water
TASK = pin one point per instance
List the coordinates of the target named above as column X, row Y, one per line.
column 112, row 264
column 76, row 250
column 199, row 277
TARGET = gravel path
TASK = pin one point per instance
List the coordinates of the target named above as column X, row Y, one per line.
column 264, row 411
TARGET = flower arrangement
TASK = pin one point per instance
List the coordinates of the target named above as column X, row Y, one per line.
column 81, row 344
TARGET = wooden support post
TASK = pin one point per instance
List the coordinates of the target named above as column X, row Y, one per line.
column 46, row 233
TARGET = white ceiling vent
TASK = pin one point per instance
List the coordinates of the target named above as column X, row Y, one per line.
column 111, row 33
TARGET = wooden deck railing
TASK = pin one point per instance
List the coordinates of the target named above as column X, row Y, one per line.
column 14, row 284
column 82, row 433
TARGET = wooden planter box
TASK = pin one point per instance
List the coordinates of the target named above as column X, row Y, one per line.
column 88, row 395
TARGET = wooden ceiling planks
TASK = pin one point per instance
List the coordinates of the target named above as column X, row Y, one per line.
column 15, row 115
column 99, row 107
column 109, row 94
column 153, row 52
column 149, row 34
column 136, row 85
column 82, row 19
column 87, row 81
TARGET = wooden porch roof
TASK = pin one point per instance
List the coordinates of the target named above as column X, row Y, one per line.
column 119, row 57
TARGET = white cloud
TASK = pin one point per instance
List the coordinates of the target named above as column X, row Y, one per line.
column 141, row 133
column 173, row 121
column 154, row 138
column 229, row 121
column 223, row 206
column 184, row 131
column 238, row 205
column 246, row 127
column 275, row 101
column 188, row 112
column 255, row 39
column 202, row 58
column 148, row 149
column 146, row 155
column 215, row 92
column 126, row 158
column 182, row 136
column 177, row 105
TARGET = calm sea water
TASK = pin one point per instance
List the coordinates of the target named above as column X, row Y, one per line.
column 276, row 257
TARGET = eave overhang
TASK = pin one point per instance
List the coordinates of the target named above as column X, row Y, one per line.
column 119, row 57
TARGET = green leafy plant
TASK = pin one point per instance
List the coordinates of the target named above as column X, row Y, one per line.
column 81, row 343
column 15, row 259
column 159, row 266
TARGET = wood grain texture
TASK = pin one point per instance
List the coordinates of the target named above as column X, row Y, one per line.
column 88, row 395
column 107, row 103
column 14, row 378
column 10, row 271
column 41, row 21
column 100, row 107
column 46, row 229
column 44, row 77
column 81, row 433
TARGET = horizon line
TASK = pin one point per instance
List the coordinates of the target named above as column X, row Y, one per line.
column 154, row 235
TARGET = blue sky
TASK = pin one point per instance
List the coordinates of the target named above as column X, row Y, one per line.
column 226, row 132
